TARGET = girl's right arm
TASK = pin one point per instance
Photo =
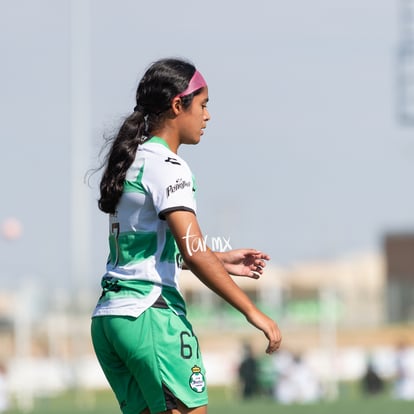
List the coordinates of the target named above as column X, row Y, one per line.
column 210, row 270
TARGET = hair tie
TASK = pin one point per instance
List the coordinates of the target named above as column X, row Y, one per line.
column 146, row 125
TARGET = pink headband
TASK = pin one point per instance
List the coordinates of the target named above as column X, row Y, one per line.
column 196, row 82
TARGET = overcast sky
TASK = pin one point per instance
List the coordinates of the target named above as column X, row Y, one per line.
column 303, row 158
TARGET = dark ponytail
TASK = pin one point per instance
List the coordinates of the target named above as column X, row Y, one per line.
column 163, row 81
column 119, row 158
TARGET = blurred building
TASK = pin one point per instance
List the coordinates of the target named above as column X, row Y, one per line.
column 297, row 295
column 399, row 252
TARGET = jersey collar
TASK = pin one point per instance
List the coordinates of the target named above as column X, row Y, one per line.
column 158, row 140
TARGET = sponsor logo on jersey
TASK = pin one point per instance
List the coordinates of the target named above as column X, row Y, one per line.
column 180, row 184
column 197, row 381
column 172, row 161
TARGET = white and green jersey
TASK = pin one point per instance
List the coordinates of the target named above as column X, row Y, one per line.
column 144, row 259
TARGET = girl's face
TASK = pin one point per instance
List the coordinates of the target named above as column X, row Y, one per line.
column 193, row 121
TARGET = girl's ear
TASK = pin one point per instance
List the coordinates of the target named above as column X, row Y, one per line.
column 176, row 105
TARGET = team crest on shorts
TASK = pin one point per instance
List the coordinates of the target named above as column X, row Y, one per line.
column 197, row 382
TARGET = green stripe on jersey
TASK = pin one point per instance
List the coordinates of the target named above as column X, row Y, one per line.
column 136, row 185
column 132, row 247
column 170, row 250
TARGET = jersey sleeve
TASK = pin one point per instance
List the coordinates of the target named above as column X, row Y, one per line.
column 171, row 185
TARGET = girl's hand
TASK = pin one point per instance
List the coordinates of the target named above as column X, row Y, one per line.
column 268, row 327
column 244, row 262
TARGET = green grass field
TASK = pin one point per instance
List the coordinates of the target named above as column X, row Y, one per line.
column 221, row 402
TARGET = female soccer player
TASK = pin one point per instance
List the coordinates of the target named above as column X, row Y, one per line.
column 143, row 341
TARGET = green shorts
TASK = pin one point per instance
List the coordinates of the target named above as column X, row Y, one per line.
column 150, row 361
